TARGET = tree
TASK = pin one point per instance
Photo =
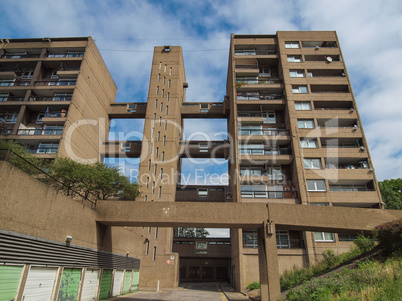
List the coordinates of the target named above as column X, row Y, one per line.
column 192, row 232
column 21, row 158
column 391, row 192
column 98, row 180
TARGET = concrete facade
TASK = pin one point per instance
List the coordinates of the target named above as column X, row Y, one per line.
column 295, row 140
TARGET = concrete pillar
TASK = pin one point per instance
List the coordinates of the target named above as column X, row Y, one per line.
column 268, row 263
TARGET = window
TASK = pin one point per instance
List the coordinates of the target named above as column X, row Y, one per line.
column 163, row 93
column 164, row 143
column 154, row 117
column 159, row 76
column 282, row 239
column 161, row 106
column 164, row 79
column 312, row 163
column 27, row 73
column 167, row 110
column 160, row 120
column 294, row 59
column 62, row 96
column 164, row 70
column 303, row 106
column 153, row 187
column 168, row 96
column 269, row 117
column 157, row 90
column 296, row 73
column 156, row 168
column 324, row 236
column 170, row 71
column 250, row 239
column 159, row 136
column 165, row 125
column 169, row 83
column 201, row 245
column 161, row 173
column 299, row 89
column 47, row 148
column 309, row 143
column 202, row 193
column 305, row 124
column 316, row 185
column 156, row 103
column 163, row 153
column 160, row 192
column 3, row 96
column 265, row 71
column 147, row 248
column 347, row 237
column 10, row 117
column 292, row 44
column 149, row 230
column 149, row 165
column 346, row 187
column 157, row 152
column 156, row 232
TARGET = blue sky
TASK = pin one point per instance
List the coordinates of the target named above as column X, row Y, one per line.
column 125, row 31
column 370, row 33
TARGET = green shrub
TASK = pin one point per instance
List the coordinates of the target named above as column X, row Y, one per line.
column 253, row 285
column 389, row 236
column 364, row 243
column 330, row 259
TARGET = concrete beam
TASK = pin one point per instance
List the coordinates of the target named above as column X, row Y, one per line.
column 241, row 215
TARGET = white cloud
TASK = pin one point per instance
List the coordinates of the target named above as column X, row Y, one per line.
column 370, row 34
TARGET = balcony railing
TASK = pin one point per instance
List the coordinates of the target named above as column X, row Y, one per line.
column 66, row 54
column 7, row 83
column 257, row 96
column 268, row 132
column 11, row 98
column 342, row 145
column 347, row 166
column 262, row 151
column 6, row 131
column 257, row 81
column 34, row 132
column 55, row 114
column 290, row 244
column 43, row 150
column 19, row 56
column 269, row 194
column 56, row 83
column 52, row 98
column 247, row 67
column 255, row 52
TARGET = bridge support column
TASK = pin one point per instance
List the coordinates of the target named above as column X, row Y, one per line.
column 268, row 263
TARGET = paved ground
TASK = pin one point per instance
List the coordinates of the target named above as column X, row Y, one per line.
column 210, row 291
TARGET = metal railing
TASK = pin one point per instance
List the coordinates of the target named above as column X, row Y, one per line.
column 52, row 98
column 65, row 54
column 255, row 52
column 269, row 194
column 11, row 98
column 34, row 132
column 14, row 83
column 19, row 56
column 43, row 150
column 252, row 96
column 247, row 67
column 290, row 244
column 10, row 156
column 262, row 151
column 259, row 81
column 56, row 83
column 257, row 132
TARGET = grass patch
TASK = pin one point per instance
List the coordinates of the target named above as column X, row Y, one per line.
column 371, row 280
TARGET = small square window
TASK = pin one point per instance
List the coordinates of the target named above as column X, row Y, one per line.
column 201, row 245
column 202, row 193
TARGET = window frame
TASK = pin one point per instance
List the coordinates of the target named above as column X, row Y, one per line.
column 316, row 188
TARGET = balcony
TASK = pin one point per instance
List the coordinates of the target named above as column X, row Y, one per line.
column 65, row 82
column 53, row 117
column 11, row 98
column 280, row 194
column 256, row 52
column 265, row 154
column 69, row 54
column 319, row 44
column 20, row 55
column 40, row 131
column 245, row 150
column 258, row 96
column 13, row 83
column 240, row 81
column 56, row 97
column 51, row 149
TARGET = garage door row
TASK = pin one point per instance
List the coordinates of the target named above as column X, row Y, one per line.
column 38, row 283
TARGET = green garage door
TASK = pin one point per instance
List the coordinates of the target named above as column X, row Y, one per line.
column 106, row 284
column 69, row 285
column 9, row 280
column 136, row 278
column 127, row 281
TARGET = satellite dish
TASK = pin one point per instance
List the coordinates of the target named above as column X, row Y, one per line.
column 329, row 59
